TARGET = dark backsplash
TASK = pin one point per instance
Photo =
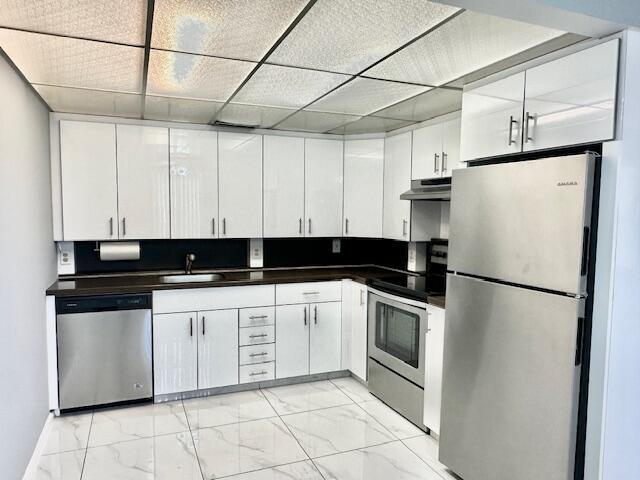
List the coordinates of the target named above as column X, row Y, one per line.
column 223, row 253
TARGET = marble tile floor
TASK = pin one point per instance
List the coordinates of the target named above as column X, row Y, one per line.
column 327, row 430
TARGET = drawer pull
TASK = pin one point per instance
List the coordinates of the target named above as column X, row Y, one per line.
column 258, row 336
column 257, row 317
column 253, row 374
column 262, row 354
column 311, row 293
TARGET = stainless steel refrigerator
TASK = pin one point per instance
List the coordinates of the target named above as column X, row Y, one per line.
column 518, row 258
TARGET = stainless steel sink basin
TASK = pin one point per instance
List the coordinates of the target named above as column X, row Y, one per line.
column 192, row 278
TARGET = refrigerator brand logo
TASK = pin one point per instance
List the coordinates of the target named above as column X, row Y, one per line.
column 567, row 184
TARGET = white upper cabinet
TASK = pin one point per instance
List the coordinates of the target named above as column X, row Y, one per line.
column 397, row 180
column 89, row 183
column 363, row 177
column 572, row 100
column 323, row 187
column 492, row 118
column 194, row 183
column 283, row 186
column 426, row 152
column 451, row 147
column 143, row 181
column 240, row 180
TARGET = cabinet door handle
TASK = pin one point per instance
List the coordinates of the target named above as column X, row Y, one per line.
column 346, row 226
column 315, row 314
column 124, row 226
column 213, row 226
column 512, row 121
column 191, row 326
column 309, row 225
column 224, row 226
column 261, row 354
column 404, row 228
column 257, row 317
column 258, row 336
column 300, row 226
column 444, row 162
column 527, row 137
column 203, row 323
column 315, row 292
column 253, row 374
column 111, row 227
column 305, row 316
column 361, row 297
column 435, row 162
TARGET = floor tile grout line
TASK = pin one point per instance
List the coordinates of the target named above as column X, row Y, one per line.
column 432, row 467
column 86, row 448
column 193, row 441
column 380, row 423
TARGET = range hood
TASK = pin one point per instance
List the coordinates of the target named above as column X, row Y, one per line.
column 429, row 189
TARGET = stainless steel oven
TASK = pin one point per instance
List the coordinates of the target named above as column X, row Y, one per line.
column 397, row 328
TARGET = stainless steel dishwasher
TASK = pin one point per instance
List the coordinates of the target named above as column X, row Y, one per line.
column 104, row 350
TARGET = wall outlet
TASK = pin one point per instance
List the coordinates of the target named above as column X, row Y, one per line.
column 255, row 253
column 335, row 246
column 66, row 258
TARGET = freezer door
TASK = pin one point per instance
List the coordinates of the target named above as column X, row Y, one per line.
column 510, row 382
column 523, row 222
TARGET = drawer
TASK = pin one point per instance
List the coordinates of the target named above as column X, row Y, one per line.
column 256, row 317
column 257, row 353
column 258, row 372
column 310, row 292
column 257, row 335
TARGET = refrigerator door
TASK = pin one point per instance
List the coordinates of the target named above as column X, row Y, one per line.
column 510, row 382
column 524, row 222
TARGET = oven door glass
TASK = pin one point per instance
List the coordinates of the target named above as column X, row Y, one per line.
column 398, row 333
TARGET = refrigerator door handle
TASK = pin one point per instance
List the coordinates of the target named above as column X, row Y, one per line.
column 585, row 251
column 579, row 341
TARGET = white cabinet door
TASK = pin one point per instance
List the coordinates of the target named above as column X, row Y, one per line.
column 363, row 178
column 240, row 171
column 175, row 352
column 143, row 181
column 572, row 100
column 217, row 348
column 194, row 183
column 434, row 351
column 492, row 118
column 89, row 183
column 348, row 292
column 427, row 152
column 292, row 340
column 451, row 147
column 325, row 337
column 283, row 186
column 323, row 187
column 359, row 331
column 397, row 180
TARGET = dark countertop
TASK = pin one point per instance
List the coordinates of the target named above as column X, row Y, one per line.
column 147, row 282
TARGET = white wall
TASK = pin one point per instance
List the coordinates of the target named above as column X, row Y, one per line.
column 27, row 267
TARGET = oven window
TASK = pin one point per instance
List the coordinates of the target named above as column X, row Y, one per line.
column 398, row 333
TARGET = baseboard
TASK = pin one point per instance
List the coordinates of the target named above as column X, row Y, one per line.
column 32, row 467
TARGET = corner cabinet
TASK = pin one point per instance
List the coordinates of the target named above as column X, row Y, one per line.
column 363, row 179
column 193, row 174
column 89, row 180
column 240, row 181
column 397, row 180
column 568, row 101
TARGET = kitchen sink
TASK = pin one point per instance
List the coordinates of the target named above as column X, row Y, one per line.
column 192, row 278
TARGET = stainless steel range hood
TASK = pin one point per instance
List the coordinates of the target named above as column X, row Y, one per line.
column 429, row 189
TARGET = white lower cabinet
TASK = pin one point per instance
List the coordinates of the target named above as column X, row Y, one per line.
column 257, row 373
column 354, row 328
column 252, row 354
column 325, row 337
column 217, row 348
column 434, row 351
column 175, row 353
column 292, row 340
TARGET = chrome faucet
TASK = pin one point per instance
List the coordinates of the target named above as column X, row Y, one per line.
column 189, row 263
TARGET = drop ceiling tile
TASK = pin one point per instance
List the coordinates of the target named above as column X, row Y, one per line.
column 67, row 62
column 371, row 125
column 364, row 95
column 287, row 87
column 120, row 21
column 180, row 109
column 194, row 76
column 253, row 115
column 347, row 36
column 433, row 103
column 465, row 44
column 240, row 29
column 307, row 121
column 91, row 102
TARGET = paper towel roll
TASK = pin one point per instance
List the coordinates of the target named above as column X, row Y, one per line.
column 111, row 251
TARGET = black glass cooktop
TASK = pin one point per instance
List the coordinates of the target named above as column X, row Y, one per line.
column 411, row 286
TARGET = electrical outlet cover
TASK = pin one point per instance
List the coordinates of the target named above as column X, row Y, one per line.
column 335, row 246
